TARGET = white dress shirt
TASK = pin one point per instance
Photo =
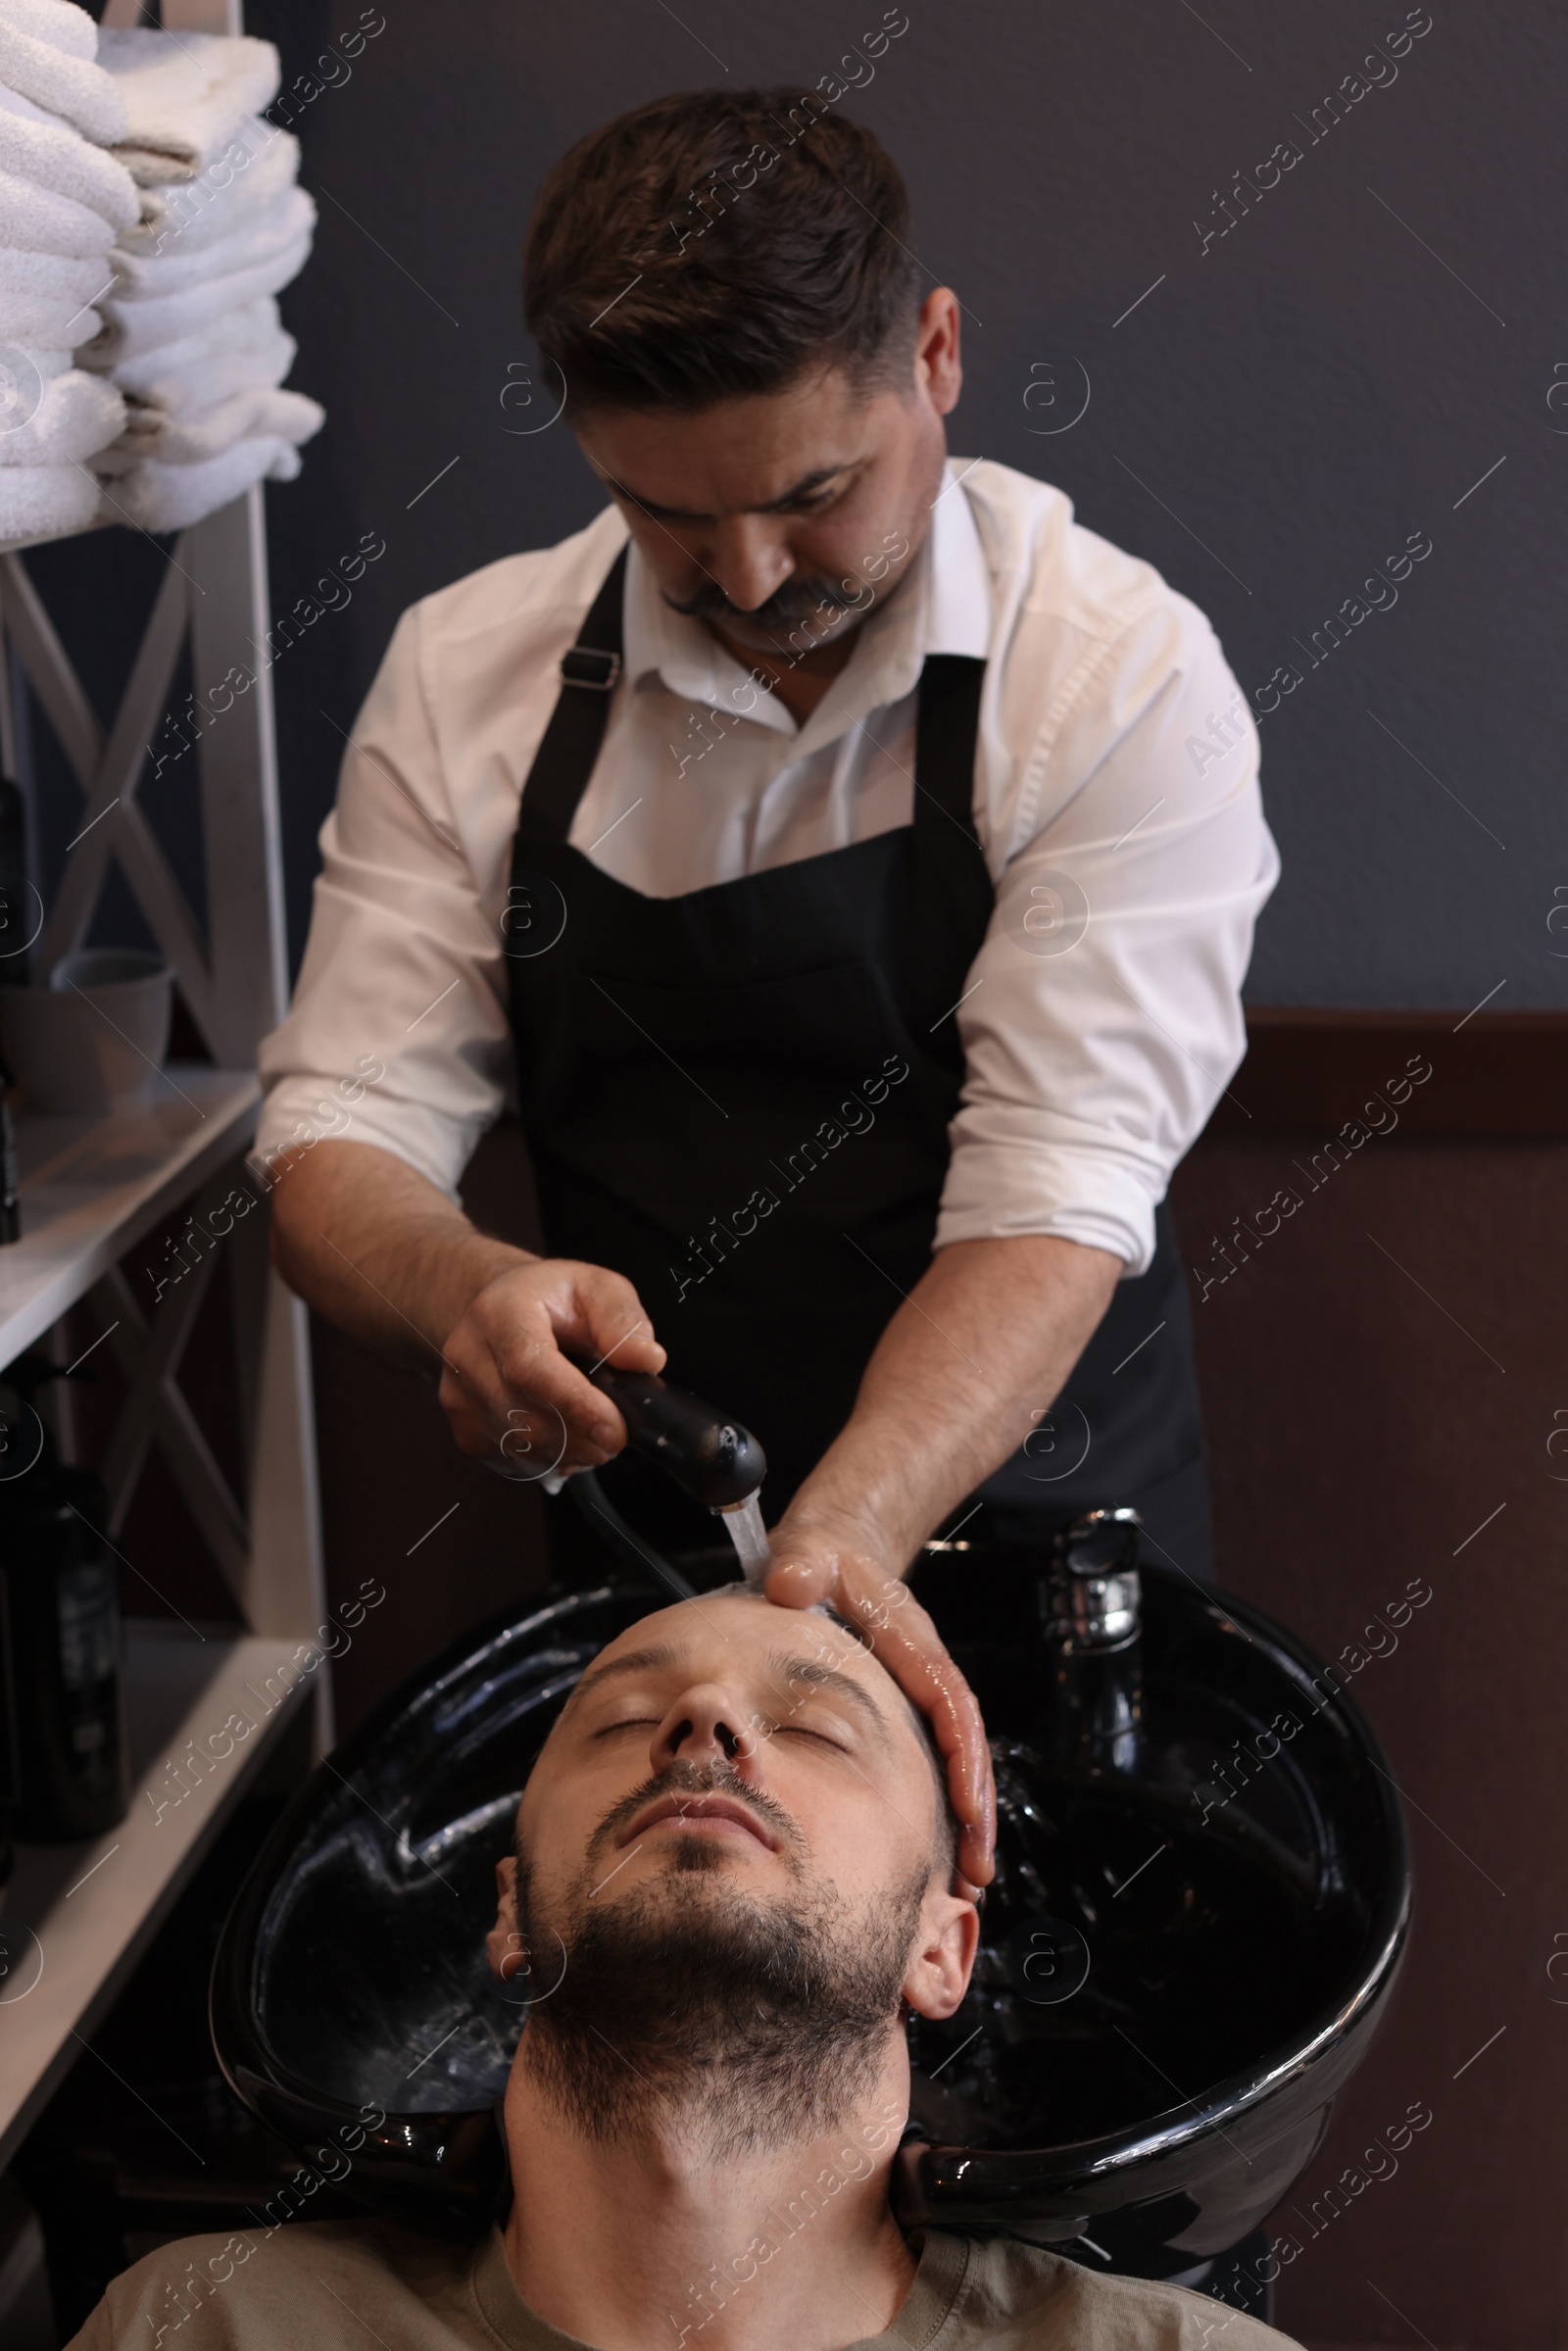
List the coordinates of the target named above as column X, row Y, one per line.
column 1116, row 803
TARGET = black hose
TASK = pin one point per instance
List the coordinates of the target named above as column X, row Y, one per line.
column 606, row 1520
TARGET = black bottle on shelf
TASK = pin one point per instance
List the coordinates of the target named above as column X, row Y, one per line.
column 15, row 907
column 10, row 1202
column 10, row 1775
column 61, row 1643
column 15, row 898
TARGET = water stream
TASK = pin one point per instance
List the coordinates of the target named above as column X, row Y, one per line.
column 750, row 1538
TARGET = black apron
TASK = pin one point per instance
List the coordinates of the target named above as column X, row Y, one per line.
column 740, row 1099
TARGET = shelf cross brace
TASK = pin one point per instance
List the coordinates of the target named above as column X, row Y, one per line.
column 149, row 1350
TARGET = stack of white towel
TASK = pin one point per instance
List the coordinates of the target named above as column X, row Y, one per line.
column 148, row 219
column 63, row 200
column 190, row 330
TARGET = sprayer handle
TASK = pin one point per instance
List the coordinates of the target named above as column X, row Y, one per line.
column 716, row 1460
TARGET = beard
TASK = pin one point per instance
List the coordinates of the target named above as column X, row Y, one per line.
column 690, row 2004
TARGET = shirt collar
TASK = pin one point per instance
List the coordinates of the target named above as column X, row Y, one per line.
column 941, row 2267
column 944, row 605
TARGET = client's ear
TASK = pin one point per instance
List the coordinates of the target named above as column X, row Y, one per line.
column 503, row 1945
column 937, row 1974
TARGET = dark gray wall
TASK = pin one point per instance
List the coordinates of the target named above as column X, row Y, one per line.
column 1275, row 416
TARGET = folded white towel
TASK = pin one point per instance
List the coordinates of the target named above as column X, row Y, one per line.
column 23, row 378
column 72, row 416
column 171, row 497
column 46, row 300
column 23, row 366
column 24, row 272
column 184, row 95
column 274, row 226
column 247, row 349
column 72, row 87
column 151, row 432
column 42, row 223
column 12, row 102
column 46, row 321
column 39, row 502
column 139, row 323
column 54, row 157
column 55, row 22
column 229, row 193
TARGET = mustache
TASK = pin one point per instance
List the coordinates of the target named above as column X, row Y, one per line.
column 791, row 603
column 696, row 1779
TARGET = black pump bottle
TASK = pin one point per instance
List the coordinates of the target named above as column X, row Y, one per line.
column 61, row 1643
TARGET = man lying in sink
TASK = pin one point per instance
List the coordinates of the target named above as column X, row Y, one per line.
column 731, row 1887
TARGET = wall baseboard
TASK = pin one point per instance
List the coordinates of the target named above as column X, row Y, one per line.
column 1309, row 1069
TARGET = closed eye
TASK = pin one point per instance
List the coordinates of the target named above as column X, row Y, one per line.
column 632, row 1721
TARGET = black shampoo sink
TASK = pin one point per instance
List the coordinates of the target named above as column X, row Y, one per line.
column 1202, row 1900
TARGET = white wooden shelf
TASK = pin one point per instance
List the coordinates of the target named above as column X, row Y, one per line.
column 92, row 1187
column 77, row 1917
column 91, row 1190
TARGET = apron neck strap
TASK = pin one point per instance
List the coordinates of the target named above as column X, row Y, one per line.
column 948, row 716
column 570, row 747
column 946, row 729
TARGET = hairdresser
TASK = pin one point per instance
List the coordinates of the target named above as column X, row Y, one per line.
column 845, row 861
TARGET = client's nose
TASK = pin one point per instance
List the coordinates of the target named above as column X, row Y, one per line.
column 705, row 1725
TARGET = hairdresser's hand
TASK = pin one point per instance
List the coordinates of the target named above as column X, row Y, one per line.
column 818, row 1557
column 510, row 1393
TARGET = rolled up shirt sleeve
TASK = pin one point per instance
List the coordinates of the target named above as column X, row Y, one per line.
column 1103, row 1018
column 403, row 971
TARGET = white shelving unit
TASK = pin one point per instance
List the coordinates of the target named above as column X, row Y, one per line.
column 75, row 1917
column 90, row 1189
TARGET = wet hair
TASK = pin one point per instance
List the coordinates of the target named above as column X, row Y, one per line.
column 717, row 243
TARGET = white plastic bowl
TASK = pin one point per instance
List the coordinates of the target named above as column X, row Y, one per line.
column 95, row 1037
